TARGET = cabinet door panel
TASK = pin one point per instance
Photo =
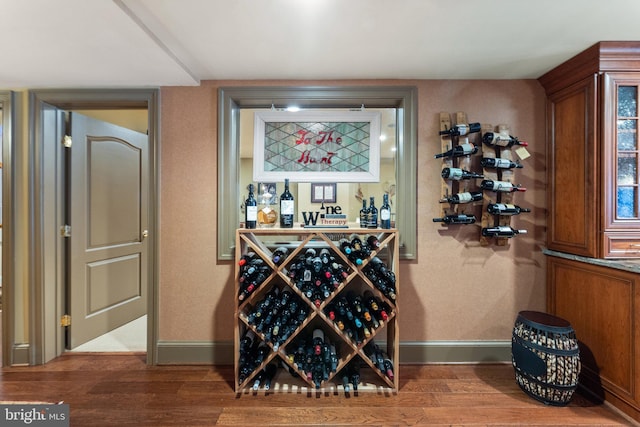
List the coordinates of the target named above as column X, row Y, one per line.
column 572, row 167
column 621, row 153
column 600, row 303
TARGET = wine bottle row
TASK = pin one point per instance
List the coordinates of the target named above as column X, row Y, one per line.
column 278, row 315
column 368, row 215
column 491, row 139
column 358, row 316
column 313, row 312
column 262, row 211
column 313, row 356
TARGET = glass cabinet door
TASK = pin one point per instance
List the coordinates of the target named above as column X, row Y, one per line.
column 626, row 153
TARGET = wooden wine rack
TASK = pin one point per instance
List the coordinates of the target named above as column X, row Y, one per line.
column 263, row 242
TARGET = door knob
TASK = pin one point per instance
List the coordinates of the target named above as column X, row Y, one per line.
column 145, row 234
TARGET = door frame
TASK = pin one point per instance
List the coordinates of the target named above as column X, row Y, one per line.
column 7, row 99
column 45, row 253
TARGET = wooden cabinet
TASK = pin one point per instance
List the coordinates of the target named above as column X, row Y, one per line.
column 289, row 376
column 603, row 306
column 593, row 161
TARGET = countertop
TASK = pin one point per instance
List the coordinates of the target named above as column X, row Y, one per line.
column 619, row 264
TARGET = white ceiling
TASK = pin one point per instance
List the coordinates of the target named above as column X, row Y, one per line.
column 125, row 43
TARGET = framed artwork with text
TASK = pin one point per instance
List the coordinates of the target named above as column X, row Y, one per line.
column 320, row 146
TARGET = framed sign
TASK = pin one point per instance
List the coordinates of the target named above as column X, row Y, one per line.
column 323, row 192
column 320, row 146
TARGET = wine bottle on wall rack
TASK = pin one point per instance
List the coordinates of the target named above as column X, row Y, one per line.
column 456, row 219
column 495, row 139
column 466, row 197
column 500, row 186
column 250, row 210
column 505, row 209
column 462, row 129
column 465, row 149
column 287, row 207
column 501, row 231
column 498, row 163
column 457, row 174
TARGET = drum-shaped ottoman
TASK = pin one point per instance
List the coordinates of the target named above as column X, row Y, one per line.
column 546, row 357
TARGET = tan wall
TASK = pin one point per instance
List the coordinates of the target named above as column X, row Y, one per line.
column 454, row 290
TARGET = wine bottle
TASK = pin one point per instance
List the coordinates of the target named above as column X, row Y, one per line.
column 457, row 174
column 318, row 340
column 247, row 258
column 269, row 374
column 465, row 149
column 354, row 373
column 373, row 214
column 500, row 186
column 388, row 366
column 345, row 380
column 505, row 209
column 462, row 129
column 466, row 197
column 456, row 219
column 250, row 210
column 287, row 206
column 372, row 242
column 498, row 163
column 279, row 254
column 501, row 231
column 364, row 214
column 495, row 139
column 385, row 212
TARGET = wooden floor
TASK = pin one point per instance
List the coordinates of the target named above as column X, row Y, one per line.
column 120, row 390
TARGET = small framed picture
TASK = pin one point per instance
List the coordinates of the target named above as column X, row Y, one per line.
column 267, row 188
column 323, row 192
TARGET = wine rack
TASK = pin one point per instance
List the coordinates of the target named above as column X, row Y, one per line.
column 277, row 279
column 502, row 175
column 461, row 145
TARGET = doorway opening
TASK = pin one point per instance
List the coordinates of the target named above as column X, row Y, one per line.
column 50, row 263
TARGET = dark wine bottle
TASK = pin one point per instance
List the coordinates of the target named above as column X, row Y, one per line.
column 495, row 139
column 462, row 129
column 388, row 366
column 456, row 219
column 364, row 214
column 372, row 242
column 372, row 221
column 247, row 258
column 279, row 254
column 459, row 151
column 385, row 212
column 466, row 197
column 287, row 206
column 269, row 374
column 251, row 210
column 501, row 231
column 505, row 209
column 498, row 163
column 457, row 174
column 500, row 186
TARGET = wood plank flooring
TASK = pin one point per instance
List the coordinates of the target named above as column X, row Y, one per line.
column 120, row 390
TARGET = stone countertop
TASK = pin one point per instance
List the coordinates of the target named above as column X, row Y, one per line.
column 619, row 264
